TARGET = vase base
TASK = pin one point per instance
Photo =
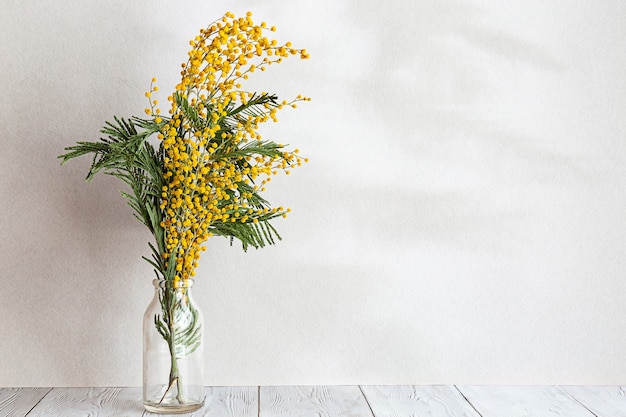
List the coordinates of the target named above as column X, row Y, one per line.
column 172, row 409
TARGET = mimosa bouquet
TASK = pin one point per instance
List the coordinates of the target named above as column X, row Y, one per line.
column 199, row 171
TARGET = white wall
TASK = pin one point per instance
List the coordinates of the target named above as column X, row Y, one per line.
column 461, row 219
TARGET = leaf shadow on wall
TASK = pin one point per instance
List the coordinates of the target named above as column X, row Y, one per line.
column 447, row 170
column 440, row 171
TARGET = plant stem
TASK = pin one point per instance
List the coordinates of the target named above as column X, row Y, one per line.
column 175, row 377
column 174, row 372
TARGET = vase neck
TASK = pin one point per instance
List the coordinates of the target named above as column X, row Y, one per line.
column 161, row 284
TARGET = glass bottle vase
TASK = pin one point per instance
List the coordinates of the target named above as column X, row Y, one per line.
column 172, row 350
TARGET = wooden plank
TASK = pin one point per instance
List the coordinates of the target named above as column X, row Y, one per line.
column 329, row 401
column 412, row 401
column 230, row 402
column 19, row 401
column 318, row 401
column 80, row 402
column 603, row 401
column 523, row 401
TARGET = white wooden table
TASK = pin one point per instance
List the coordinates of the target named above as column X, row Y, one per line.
column 330, row 401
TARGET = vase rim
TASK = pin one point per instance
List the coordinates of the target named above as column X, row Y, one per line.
column 162, row 284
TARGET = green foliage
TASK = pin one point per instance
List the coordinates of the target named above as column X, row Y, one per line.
column 125, row 153
column 180, row 319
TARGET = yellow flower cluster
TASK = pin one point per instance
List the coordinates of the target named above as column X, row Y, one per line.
column 215, row 161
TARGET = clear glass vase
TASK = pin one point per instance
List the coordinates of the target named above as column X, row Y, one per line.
column 172, row 351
